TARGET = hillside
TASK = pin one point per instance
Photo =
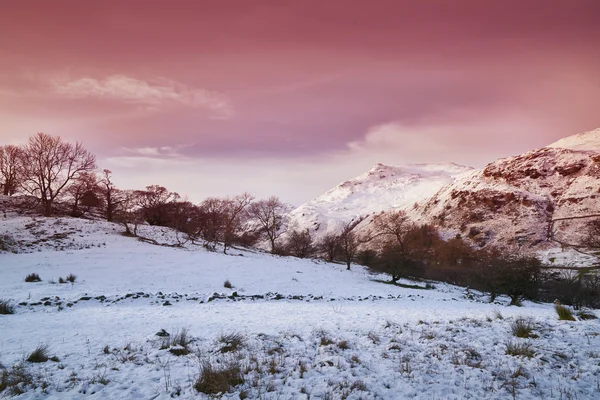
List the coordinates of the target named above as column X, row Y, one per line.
column 296, row 329
column 381, row 188
column 512, row 200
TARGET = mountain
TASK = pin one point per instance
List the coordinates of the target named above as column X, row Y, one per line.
column 513, row 201
column 510, row 202
column 381, row 188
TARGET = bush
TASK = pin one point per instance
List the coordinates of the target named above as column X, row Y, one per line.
column 564, row 313
column 227, row 284
column 33, row 278
column 6, row 308
column 522, row 328
column 71, row 278
column 220, row 378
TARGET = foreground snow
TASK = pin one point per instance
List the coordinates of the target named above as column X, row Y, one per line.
column 307, row 329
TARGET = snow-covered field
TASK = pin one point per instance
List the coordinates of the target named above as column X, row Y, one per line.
column 296, row 329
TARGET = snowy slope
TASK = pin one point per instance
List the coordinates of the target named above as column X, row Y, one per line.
column 586, row 141
column 327, row 333
column 512, row 200
column 382, row 188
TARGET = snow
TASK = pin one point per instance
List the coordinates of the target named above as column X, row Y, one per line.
column 586, row 141
column 381, row 188
column 293, row 316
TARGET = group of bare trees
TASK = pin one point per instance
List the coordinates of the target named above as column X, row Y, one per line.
column 45, row 167
column 53, row 170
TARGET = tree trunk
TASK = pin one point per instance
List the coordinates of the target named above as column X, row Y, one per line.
column 47, row 207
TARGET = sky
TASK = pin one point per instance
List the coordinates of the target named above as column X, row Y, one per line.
column 290, row 98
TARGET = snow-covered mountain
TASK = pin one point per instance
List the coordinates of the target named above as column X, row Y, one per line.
column 513, row 200
column 509, row 202
column 382, row 188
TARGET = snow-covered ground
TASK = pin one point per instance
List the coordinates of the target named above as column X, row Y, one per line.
column 307, row 329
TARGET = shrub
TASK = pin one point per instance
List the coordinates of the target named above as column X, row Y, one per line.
column 564, row 313
column 522, row 328
column 71, row 278
column 214, row 379
column 33, row 278
column 61, row 280
column 6, row 308
column 41, row 354
column 519, row 349
column 231, row 342
column 227, row 284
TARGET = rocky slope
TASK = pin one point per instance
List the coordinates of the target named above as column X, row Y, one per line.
column 513, row 200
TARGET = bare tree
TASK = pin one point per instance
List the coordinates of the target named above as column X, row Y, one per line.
column 299, row 243
column 395, row 225
column 154, row 204
column 84, row 189
column 10, row 157
column 210, row 221
column 269, row 215
column 110, row 194
column 128, row 214
column 329, row 246
column 349, row 241
column 50, row 164
column 234, row 217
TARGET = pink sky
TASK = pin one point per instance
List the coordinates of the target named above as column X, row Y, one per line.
column 292, row 97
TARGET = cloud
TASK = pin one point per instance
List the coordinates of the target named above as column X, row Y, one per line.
column 456, row 137
column 153, row 93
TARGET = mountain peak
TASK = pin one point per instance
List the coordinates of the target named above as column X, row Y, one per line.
column 586, row 141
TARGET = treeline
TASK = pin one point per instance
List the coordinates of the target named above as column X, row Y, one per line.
column 56, row 172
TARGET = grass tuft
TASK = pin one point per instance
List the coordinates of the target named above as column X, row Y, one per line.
column 40, row 355
column 227, row 284
column 231, row 342
column 564, row 313
column 519, row 349
column 6, row 307
column 522, row 328
column 71, row 278
column 16, row 380
column 219, row 378
column 33, row 278
column 585, row 314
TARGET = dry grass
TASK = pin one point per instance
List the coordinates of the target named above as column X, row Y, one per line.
column 6, row 307
column 522, row 328
column 218, row 378
column 584, row 314
column 33, row 278
column 564, row 313
column 519, row 349
column 231, row 342
column 16, row 380
column 41, row 354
